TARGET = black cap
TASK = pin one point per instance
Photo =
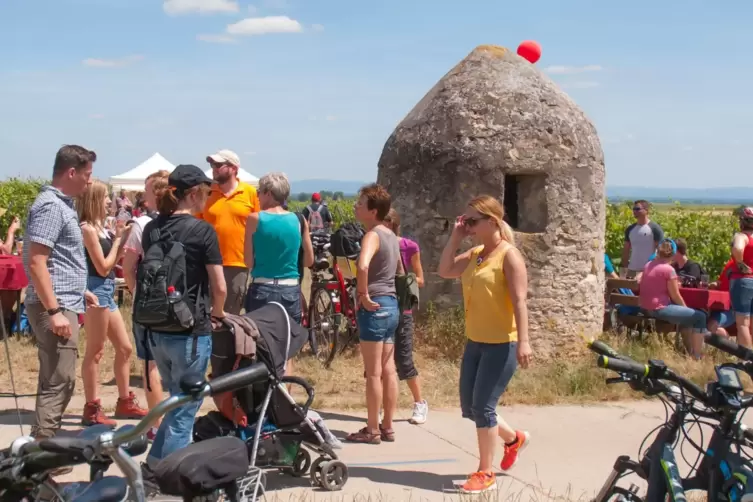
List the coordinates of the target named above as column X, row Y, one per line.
column 187, row 176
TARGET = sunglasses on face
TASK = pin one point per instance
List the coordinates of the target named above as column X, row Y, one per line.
column 471, row 222
column 637, row 208
column 216, row 165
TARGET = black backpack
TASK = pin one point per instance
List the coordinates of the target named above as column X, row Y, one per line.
column 346, row 240
column 160, row 299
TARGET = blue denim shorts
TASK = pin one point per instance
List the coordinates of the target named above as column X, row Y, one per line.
column 724, row 319
column 143, row 348
column 380, row 325
column 104, row 290
column 287, row 296
column 741, row 295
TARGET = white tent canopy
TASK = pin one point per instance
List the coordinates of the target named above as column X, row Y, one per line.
column 243, row 175
column 134, row 179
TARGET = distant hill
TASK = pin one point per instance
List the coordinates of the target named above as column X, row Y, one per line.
column 311, row 186
column 729, row 195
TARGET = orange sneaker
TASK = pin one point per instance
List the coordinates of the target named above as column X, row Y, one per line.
column 129, row 409
column 512, row 451
column 94, row 414
column 479, row 482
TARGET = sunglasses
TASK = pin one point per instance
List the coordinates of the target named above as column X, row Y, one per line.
column 217, row 165
column 471, row 222
column 637, row 208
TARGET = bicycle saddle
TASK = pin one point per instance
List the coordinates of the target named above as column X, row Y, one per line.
column 107, row 489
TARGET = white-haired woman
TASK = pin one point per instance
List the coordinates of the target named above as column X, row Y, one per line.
column 274, row 238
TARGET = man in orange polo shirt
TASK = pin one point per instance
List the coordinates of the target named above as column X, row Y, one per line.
column 227, row 209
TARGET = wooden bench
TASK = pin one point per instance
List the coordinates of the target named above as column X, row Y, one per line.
column 634, row 321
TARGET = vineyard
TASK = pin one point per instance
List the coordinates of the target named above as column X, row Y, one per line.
column 708, row 230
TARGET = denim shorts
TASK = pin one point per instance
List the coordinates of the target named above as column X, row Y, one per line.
column 143, row 350
column 485, row 372
column 380, row 325
column 741, row 294
column 287, row 296
column 724, row 319
column 104, row 290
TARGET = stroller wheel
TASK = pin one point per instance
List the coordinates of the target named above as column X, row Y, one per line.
column 316, row 470
column 301, row 463
column 334, row 475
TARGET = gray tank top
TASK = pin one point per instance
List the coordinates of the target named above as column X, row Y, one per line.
column 383, row 266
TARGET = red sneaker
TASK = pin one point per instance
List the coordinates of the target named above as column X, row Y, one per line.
column 129, row 409
column 151, row 434
column 94, row 414
column 512, row 451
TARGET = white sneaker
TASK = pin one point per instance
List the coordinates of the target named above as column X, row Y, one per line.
column 420, row 413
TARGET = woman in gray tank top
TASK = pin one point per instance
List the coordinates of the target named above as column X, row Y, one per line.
column 378, row 313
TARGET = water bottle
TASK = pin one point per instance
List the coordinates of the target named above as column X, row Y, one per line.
column 173, row 296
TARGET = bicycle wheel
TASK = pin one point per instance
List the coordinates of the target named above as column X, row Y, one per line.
column 324, row 325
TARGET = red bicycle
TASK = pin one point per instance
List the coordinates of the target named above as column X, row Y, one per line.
column 331, row 313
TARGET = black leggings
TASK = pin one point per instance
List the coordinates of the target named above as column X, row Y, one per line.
column 404, row 349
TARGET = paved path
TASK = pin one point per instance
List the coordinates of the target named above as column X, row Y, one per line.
column 571, row 453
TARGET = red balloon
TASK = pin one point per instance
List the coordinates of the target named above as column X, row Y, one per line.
column 529, row 50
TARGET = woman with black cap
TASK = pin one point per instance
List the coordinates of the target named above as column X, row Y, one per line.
column 177, row 353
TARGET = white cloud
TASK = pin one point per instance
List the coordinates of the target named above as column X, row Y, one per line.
column 111, row 63
column 581, row 85
column 317, row 27
column 96, row 116
column 177, row 7
column 330, row 118
column 571, row 70
column 265, row 25
column 216, row 39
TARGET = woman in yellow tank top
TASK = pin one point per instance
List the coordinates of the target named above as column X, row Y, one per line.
column 495, row 286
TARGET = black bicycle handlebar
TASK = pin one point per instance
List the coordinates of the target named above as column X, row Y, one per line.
column 238, row 379
column 726, row 345
column 624, row 366
column 603, row 349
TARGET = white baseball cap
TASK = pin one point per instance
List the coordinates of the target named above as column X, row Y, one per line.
column 225, row 156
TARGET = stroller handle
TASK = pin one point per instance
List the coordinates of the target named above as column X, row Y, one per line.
column 235, row 380
column 306, row 386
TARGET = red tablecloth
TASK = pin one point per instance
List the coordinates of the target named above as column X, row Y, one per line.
column 12, row 275
column 706, row 299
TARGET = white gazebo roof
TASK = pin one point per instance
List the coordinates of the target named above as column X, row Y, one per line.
column 133, row 180
column 243, row 175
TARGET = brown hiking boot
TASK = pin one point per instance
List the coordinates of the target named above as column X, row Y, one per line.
column 129, row 409
column 94, row 414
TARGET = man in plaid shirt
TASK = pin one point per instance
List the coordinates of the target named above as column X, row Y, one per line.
column 55, row 263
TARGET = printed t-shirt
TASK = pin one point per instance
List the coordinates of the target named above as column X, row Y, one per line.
column 654, row 292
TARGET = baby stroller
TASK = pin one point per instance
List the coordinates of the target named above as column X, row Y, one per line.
column 265, row 415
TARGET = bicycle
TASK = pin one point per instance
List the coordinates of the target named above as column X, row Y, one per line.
column 26, row 468
column 332, row 304
column 721, row 472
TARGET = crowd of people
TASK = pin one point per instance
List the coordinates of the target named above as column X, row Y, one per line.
column 244, row 249
column 662, row 266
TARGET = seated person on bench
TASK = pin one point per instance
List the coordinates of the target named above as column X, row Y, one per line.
column 660, row 298
column 720, row 321
column 610, row 273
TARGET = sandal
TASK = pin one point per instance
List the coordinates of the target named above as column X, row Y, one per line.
column 387, row 435
column 365, row 437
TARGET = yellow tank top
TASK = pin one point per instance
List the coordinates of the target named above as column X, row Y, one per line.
column 489, row 316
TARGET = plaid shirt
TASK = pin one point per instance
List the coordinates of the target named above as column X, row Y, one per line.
column 52, row 222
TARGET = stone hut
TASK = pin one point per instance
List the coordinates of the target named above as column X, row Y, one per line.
column 496, row 124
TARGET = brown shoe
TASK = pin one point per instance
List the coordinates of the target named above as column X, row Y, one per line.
column 387, row 435
column 129, row 409
column 94, row 414
column 365, row 437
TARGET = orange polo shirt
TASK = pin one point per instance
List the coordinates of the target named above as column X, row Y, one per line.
column 228, row 215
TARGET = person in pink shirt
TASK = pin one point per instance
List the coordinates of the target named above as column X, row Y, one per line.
column 660, row 298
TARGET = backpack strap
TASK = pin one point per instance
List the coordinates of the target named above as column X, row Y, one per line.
column 302, row 226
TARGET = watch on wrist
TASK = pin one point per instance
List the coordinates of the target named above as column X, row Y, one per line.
column 52, row 312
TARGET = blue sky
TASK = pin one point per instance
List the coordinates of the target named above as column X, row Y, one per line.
column 315, row 87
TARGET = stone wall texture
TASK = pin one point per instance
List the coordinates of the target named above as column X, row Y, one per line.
column 493, row 115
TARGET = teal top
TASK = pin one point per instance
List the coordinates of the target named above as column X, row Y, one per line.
column 277, row 241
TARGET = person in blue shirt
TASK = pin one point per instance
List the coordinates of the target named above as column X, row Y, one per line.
column 610, row 273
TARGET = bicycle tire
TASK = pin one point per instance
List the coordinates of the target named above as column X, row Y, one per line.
column 331, row 342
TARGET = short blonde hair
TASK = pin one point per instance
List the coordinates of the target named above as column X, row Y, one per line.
column 275, row 184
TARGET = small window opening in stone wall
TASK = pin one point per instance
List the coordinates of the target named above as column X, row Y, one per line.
column 525, row 202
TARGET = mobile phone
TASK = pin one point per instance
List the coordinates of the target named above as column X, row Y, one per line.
column 728, row 379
